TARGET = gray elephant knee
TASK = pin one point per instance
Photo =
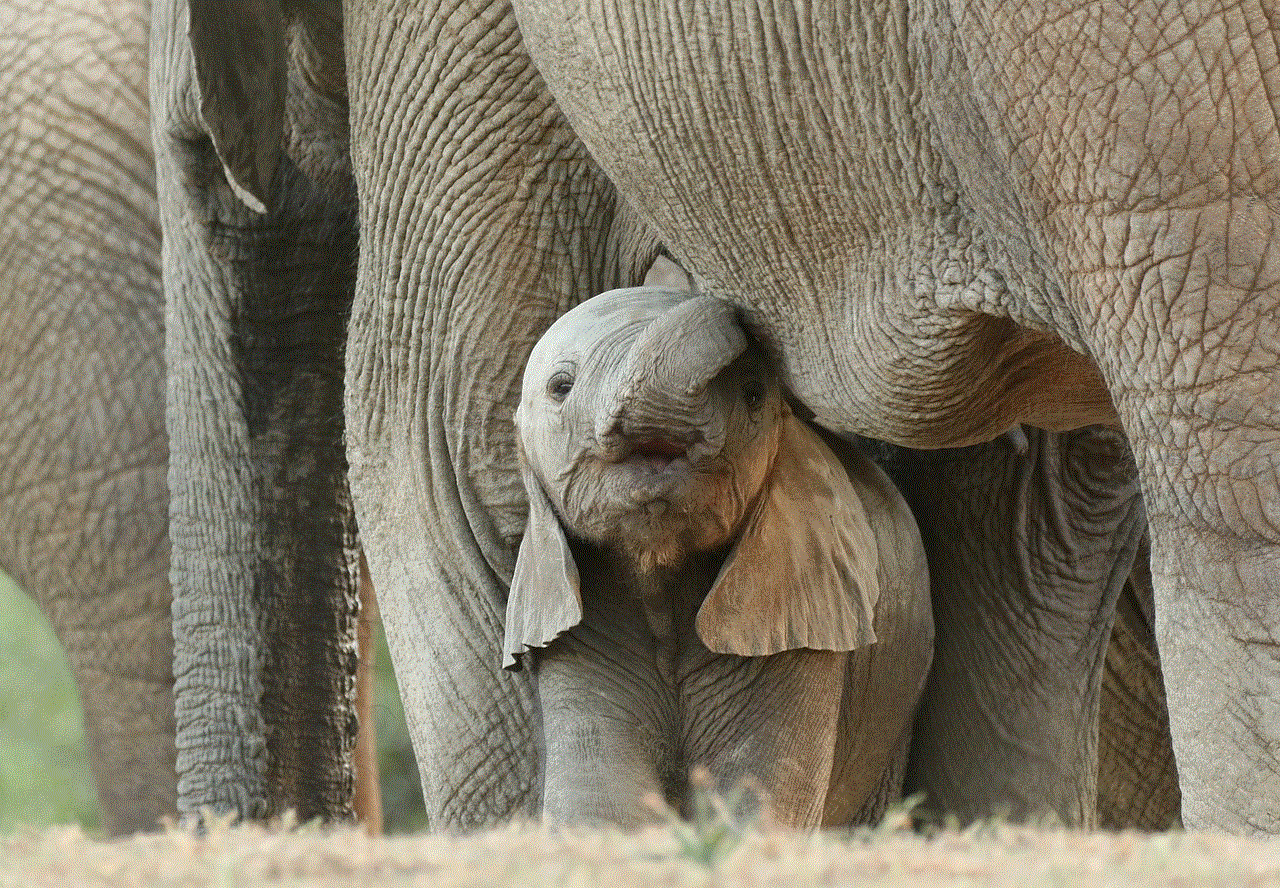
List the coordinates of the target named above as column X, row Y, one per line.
column 703, row 580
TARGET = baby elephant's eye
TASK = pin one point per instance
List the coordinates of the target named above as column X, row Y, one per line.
column 559, row 386
column 753, row 394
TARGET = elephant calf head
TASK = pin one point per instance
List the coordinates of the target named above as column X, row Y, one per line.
column 651, row 425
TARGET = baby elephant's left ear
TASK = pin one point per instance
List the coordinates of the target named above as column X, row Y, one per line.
column 804, row 573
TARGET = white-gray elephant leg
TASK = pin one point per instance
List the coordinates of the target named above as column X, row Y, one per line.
column 120, row 649
column 1200, row 399
column 1212, row 493
column 1028, row 549
column 1189, row 341
column 609, row 726
column 773, row 720
column 95, row 555
column 1215, row 567
column 482, row 219
column 83, row 451
column 1167, row 254
column 1222, row 677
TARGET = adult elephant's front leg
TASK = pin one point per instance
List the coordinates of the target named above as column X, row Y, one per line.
column 1030, row 540
column 258, row 279
column 482, row 219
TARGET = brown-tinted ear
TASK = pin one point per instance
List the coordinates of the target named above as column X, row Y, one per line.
column 238, row 47
column 546, row 597
column 804, row 572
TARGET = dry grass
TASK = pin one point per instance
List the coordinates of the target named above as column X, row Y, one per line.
column 532, row 857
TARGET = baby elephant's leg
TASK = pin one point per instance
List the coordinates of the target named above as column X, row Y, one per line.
column 607, row 729
column 772, row 720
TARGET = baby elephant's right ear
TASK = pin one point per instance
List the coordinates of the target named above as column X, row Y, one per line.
column 546, row 598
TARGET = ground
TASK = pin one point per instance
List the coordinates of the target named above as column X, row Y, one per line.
column 43, row 780
column 531, row 857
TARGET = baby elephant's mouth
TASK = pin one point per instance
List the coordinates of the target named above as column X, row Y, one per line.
column 654, row 450
column 659, row 448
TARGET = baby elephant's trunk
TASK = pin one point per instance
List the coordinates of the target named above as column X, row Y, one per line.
column 663, row 405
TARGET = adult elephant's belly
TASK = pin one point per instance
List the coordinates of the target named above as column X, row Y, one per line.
column 782, row 161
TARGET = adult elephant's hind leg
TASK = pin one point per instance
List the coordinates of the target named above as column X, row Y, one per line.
column 1137, row 777
column 1029, row 541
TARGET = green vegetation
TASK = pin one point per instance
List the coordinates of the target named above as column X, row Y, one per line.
column 716, row 823
column 402, row 809
column 44, row 777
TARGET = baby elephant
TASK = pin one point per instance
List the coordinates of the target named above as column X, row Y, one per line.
column 703, row 580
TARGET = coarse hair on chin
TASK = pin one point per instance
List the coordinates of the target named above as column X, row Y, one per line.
column 653, row 558
column 650, row 552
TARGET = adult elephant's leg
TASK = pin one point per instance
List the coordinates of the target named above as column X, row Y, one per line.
column 1167, row 254
column 83, row 453
column 264, row 563
column 1205, row 423
column 1029, row 541
column 116, row 634
column 1137, row 777
column 482, row 219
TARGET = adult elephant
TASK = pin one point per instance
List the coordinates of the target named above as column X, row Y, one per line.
column 83, row 453
column 942, row 221
column 945, row 219
column 84, row 505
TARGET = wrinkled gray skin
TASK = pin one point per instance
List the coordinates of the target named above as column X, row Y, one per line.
column 264, row 553
column 697, row 580
column 940, row 221
column 1036, row 530
column 1024, row 530
column 1137, row 775
column 944, row 219
column 83, row 499
column 83, row 450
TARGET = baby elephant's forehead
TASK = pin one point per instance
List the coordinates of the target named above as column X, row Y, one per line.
column 601, row 315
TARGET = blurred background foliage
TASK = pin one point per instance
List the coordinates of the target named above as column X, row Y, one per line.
column 44, row 777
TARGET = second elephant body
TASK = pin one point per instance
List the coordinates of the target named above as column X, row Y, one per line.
column 83, row 450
